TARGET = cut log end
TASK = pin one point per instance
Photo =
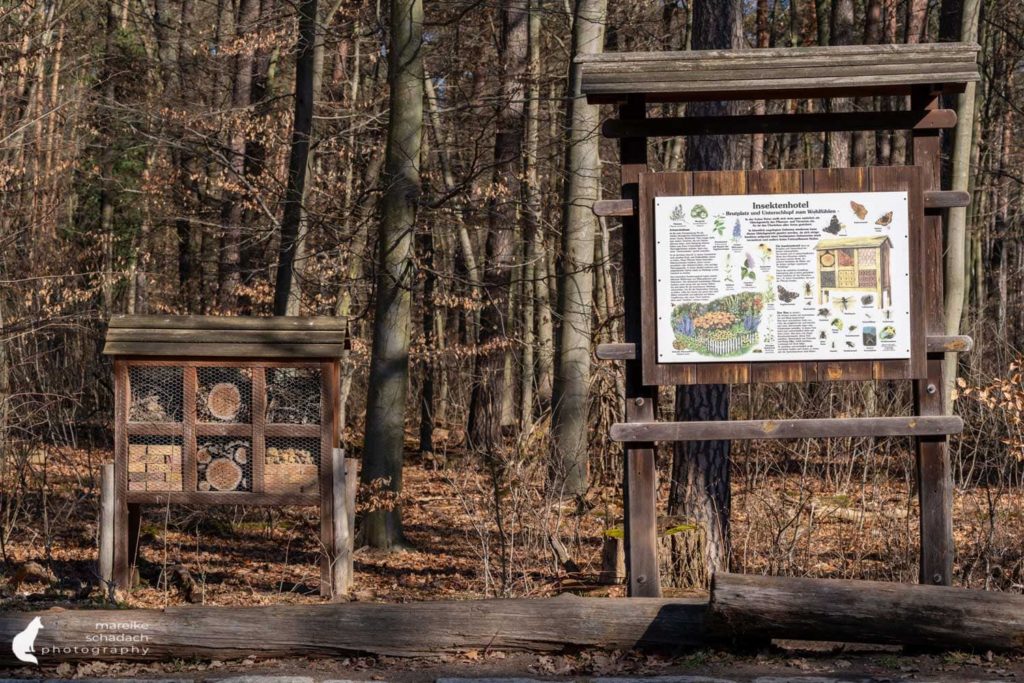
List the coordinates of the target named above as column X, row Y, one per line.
column 224, row 401
column 224, row 474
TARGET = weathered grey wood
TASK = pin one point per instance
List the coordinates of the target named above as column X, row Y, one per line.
column 340, row 554
column 866, row 611
column 224, row 350
column 212, row 322
column 404, row 630
column 957, row 343
column 616, row 351
column 193, row 497
column 224, row 336
column 786, row 429
column 774, row 73
column 613, row 207
column 780, row 123
column 946, row 199
column 108, row 493
column 351, row 490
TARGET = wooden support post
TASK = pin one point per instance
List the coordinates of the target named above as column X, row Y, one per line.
column 351, row 490
column 340, row 553
column 934, row 478
column 640, row 475
column 134, row 530
column 108, row 492
column 121, row 565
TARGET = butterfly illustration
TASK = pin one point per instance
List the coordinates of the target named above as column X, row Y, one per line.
column 859, row 209
column 786, row 295
column 884, row 220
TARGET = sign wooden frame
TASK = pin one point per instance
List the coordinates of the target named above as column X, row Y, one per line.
column 903, row 178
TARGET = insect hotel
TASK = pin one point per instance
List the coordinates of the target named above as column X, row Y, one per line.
column 855, row 264
column 227, row 411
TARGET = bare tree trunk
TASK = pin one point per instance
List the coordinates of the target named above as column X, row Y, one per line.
column 389, row 360
column 837, row 154
column 757, row 139
column 700, row 469
column 298, row 168
column 231, row 212
column 863, row 141
column 486, row 403
column 570, row 464
column 956, row 227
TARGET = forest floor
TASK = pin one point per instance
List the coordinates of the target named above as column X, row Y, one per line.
column 786, row 520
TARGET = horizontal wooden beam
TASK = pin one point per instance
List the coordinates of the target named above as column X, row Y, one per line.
column 780, row 123
column 415, row 629
column 823, row 428
column 953, row 343
column 244, row 350
column 616, row 351
column 945, row 199
column 935, row 199
column 606, row 208
column 777, row 73
column 217, row 322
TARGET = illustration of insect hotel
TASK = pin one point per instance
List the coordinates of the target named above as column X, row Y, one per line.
column 854, row 264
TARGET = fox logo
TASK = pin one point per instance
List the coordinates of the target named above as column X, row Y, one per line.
column 25, row 642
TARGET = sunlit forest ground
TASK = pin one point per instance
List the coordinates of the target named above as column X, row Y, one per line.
column 797, row 511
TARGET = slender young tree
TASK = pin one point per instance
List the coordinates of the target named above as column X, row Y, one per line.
column 389, row 360
column 571, row 397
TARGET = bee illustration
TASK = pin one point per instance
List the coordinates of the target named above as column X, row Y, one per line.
column 885, row 220
column 785, row 295
column 867, row 299
column 807, row 290
column 823, row 312
column 852, row 328
column 821, row 336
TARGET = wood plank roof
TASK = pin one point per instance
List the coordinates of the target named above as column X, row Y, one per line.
column 778, row 72
column 225, row 337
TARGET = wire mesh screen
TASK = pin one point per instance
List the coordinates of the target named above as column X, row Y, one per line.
column 292, row 465
column 293, row 395
column 156, row 394
column 223, row 463
column 154, row 463
column 224, row 395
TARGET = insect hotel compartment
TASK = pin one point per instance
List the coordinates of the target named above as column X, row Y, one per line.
column 155, row 394
column 292, row 465
column 293, row 395
column 154, row 463
column 223, row 463
column 224, row 395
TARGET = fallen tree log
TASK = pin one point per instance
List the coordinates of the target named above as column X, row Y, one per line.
column 866, row 612
column 411, row 629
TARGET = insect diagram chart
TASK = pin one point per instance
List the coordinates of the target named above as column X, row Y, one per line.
column 819, row 276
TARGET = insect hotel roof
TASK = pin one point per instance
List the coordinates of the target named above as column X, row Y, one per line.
column 225, row 337
column 852, row 243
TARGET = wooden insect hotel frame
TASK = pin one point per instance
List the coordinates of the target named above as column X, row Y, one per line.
column 924, row 74
column 227, row 411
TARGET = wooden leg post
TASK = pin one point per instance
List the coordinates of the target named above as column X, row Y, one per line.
column 340, row 550
column 640, row 475
column 108, row 491
column 934, row 480
column 351, row 490
column 134, row 530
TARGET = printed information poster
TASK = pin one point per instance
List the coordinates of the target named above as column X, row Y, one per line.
column 782, row 277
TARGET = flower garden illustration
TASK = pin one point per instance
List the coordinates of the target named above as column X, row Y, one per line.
column 723, row 327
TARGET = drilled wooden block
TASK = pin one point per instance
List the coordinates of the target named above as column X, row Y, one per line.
column 136, row 486
column 136, row 450
column 136, row 466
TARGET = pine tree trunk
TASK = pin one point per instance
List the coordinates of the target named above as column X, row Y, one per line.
column 700, row 469
column 389, row 360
